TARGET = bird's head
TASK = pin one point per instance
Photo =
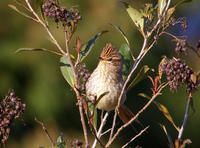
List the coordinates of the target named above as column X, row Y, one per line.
column 110, row 56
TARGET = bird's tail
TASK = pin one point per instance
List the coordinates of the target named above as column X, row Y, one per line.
column 126, row 115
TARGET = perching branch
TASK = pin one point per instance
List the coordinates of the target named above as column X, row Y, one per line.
column 103, row 122
column 137, row 115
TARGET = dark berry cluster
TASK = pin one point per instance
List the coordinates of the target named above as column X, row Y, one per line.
column 60, row 14
column 181, row 47
column 83, row 75
column 11, row 108
column 177, row 72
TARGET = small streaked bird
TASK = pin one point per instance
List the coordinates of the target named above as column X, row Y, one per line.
column 107, row 77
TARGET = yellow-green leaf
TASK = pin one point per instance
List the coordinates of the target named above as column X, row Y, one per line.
column 136, row 17
column 161, row 7
column 30, row 49
column 122, row 33
column 20, row 12
column 170, row 11
column 100, row 97
column 66, row 70
column 166, row 113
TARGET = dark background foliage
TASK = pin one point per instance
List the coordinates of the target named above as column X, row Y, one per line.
column 36, row 77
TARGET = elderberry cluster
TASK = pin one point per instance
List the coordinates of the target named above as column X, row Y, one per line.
column 83, row 75
column 181, row 47
column 11, row 108
column 177, row 72
column 60, row 14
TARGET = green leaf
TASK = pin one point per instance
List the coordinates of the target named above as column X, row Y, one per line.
column 126, row 56
column 40, row 49
column 122, row 32
column 93, row 110
column 140, row 76
column 20, row 12
column 136, row 17
column 86, row 48
column 66, row 71
column 95, row 119
column 171, row 145
column 30, row 49
column 100, row 97
column 60, row 142
column 161, row 7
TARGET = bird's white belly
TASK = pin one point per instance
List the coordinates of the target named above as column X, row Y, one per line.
column 99, row 85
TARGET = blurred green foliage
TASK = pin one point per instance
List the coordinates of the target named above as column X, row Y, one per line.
column 36, row 76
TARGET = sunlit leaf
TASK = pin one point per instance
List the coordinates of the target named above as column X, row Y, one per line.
column 140, row 76
column 166, row 113
column 125, row 53
column 136, row 17
column 122, row 33
column 170, row 11
column 40, row 49
column 161, row 62
column 162, row 108
column 86, row 48
column 20, row 12
column 171, row 145
column 100, row 97
column 161, row 7
column 30, row 49
column 144, row 96
column 66, row 71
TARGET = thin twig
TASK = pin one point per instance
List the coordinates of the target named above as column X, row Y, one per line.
column 80, row 100
column 100, row 129
column 185, row 117
column 83, row 124
column 107, row 131
column 160, row 19
column 139, row 134
column 136, row 116
column 46, row 27
column 113, row 124
column 46, row 131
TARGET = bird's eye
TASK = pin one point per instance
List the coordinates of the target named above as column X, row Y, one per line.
column 109, row 59
column 100, row 58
